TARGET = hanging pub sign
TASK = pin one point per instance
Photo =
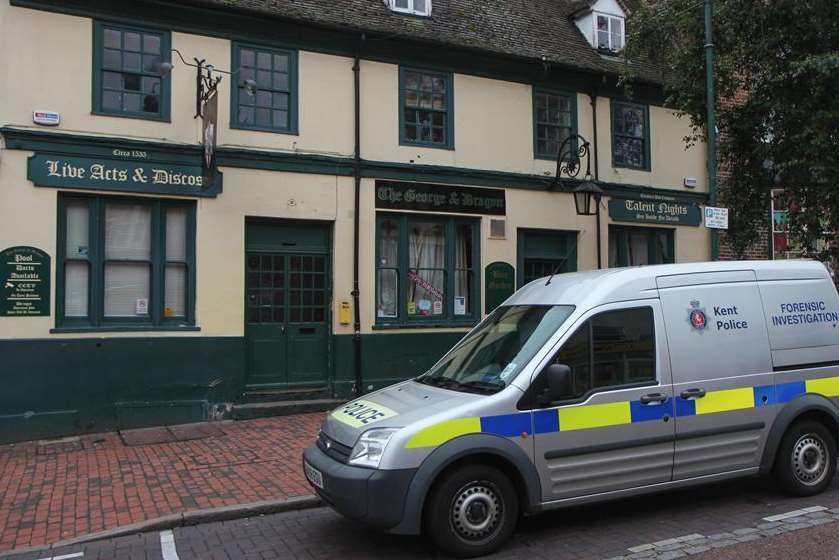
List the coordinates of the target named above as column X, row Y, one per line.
column 400, row 195
column 132, row 174
column 24, row 282
column 656, row 209
column 209, row 119
column 499, row 284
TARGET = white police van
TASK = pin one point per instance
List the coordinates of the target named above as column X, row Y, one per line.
column 592, row 386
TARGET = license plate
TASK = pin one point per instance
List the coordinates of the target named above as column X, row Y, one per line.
column 314, row 475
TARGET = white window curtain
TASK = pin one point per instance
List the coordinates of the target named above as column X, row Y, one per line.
column 426, row 261
column 77, row 270
column 388, row 273
column 639, row 253
column 462, row 283
column 176, row 272
column 127, row 260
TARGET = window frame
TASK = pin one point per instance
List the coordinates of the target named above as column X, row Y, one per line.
column 97, row 107
column 412, row 10
column 293, row 88
column 96, row 320
column 448, row 318
column 572, row 96
column 615, row 105
column 618, row 233
column 609, row 18
column 449, row 112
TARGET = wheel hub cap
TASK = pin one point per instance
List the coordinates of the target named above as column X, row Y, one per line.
column 809, row 459
column 476, row 511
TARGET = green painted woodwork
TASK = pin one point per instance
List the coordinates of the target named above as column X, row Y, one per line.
column 660, row 246
column 389, row 358
column 81, row 145
column 403, row 222
column 426, row 197
column 420, row 99
column 288, row 284
column 59, row 387
column 542, row 252
column 571, row 97
column 93, row 256
column 657, row 210
column 142, row 74
column 500, row 283
column 616, row 105
column 24, row 282
column 132, row 176
column 270, row 92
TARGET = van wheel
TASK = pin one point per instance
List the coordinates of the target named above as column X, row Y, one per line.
column 472, row 511
column 806, row 461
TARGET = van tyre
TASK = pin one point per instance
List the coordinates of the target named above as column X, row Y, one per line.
column 806, row 461
column 472, row 511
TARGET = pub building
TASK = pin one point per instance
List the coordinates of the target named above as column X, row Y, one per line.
column 364, row 183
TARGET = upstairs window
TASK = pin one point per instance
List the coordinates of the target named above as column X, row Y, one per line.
column 630, row 135
column 413, row 7
column 126, row 78
column 273, row 107
column 426, row 108
column 555, row 119
column 609, row 32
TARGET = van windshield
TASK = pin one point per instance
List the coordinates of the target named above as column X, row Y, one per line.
column 494, row 352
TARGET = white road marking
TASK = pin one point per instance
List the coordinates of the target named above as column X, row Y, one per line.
column 794, row 513
column 64, row 556
column 167, row 545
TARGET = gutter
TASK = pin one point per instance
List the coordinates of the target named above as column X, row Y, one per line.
column 358, row 372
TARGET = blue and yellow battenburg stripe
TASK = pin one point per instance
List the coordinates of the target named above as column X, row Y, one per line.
column 619, row 413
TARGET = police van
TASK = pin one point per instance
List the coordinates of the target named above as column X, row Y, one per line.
column 592, row 386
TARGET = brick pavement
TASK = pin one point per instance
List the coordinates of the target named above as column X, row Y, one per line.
column 54, row 492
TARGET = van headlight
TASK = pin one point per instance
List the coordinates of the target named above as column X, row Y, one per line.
column 370, row 447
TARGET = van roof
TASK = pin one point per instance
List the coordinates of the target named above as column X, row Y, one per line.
column 596, row 287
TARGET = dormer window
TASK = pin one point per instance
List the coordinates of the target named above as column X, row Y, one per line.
column 413, row 7
column 609, row 32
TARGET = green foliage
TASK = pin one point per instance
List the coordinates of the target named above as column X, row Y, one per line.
column 777, row 85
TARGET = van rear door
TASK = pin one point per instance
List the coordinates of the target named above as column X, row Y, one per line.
column 722, row 371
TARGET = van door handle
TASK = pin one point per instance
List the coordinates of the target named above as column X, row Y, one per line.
column 692, row 394
column 653, row 398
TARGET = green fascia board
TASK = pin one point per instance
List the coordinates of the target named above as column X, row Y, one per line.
column 239, row 24
column 73, row 144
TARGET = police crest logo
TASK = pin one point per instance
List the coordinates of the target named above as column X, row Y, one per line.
column 696, row 316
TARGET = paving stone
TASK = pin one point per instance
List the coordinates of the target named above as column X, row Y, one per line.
column 745, row 531
column 696, row 549
column 671, row 555
column 641, row 547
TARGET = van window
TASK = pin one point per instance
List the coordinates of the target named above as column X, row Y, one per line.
column 610, row 350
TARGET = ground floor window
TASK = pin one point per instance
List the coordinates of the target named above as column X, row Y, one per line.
column 125, row 262
column 635, row 246
column 542, row 252
column 426, row 268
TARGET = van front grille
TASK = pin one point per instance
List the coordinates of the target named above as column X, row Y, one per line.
column 334, row 449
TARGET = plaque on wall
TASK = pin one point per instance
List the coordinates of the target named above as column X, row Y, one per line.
column 24, row 282
column 499, row 284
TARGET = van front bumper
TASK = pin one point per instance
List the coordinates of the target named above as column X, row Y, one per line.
column 376, row 497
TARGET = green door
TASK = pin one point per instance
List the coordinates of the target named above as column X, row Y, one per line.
column 542, row 252
column 287, row 299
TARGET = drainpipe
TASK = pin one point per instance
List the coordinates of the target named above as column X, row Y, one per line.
column 358, row 384
column 593, row 97
column 712, row 122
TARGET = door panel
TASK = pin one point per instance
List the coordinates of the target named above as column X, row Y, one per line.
column 722, row 373
column 265, row 318
column 622, row 436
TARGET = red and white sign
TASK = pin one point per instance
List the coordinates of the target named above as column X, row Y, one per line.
column 46, row 118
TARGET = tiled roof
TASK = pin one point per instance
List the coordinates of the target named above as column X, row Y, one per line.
column 519, row 28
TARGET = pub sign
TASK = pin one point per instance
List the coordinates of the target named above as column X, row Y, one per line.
column 24, row 282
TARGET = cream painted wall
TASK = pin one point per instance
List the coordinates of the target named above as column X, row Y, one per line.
column 671, row 161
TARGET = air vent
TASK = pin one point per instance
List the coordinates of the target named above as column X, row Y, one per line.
column 498, row 229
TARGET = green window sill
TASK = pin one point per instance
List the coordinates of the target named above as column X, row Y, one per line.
column 435, row 325
column 139, row 116
column 126, row 328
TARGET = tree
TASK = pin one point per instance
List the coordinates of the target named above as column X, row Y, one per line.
column 777, row 75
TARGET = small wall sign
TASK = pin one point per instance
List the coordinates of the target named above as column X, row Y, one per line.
column 499, row 284
column 24, row 282
column 716, row 218
column 46, row 118
column 402, row 195
column 655, row 209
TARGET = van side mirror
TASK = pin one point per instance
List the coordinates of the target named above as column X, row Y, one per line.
column 559, row 381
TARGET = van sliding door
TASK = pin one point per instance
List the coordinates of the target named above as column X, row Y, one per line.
column 722, row 372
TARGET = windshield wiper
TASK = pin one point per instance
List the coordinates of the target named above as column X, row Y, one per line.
column 484, row 386
column 467, row 386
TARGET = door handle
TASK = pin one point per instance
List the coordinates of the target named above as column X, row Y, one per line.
column 692, row 394
column 653, row 398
